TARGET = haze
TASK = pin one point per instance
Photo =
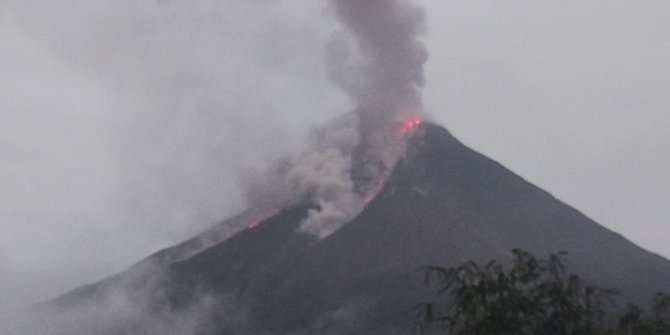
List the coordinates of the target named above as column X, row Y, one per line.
column 126, row 126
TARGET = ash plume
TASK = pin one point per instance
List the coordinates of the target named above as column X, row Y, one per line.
column 320, row 175
column 377, row 60
column 383, row 75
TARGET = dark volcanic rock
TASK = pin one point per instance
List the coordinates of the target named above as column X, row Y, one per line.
column 444, row 204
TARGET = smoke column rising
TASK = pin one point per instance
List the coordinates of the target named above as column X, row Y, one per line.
column 385, row 79
column 382, row 75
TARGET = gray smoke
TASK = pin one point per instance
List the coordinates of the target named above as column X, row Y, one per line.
column 384, row 73
column 130, row 48
column 320, row 175
column 377, row 60
column 132, row 305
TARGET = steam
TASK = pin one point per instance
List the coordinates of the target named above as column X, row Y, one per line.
column 319, row 175
column 382, row 75
column 134, row 304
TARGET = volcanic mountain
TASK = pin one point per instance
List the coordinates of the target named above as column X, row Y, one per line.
column 443, row 204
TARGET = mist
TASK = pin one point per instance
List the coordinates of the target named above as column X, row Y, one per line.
column 128, row 127
column 127, row 124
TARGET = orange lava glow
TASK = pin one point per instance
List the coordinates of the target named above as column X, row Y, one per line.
column 372, row 194
column 261, row 219
column 410, row 124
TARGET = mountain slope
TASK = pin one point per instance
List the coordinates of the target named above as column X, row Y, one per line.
column 446, row 204
column 443, row 204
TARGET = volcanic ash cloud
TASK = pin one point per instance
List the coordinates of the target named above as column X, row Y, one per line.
column 383, row 73
column 377, row 60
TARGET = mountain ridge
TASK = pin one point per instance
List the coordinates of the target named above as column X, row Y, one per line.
column 443, row 204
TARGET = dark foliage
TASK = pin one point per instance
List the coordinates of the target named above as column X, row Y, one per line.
column 531, row 296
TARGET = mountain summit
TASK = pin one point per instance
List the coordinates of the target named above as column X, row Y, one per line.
column 442, row 205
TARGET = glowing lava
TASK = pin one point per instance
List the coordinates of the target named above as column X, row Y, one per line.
column 410, row 124
column 406, row 127
column 376, row 188
column 261, row 219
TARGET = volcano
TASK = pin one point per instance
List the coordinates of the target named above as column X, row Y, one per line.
column 443, row 204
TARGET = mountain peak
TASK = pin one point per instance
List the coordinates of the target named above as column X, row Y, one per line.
column 443, row 204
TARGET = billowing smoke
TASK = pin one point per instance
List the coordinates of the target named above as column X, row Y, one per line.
column 383, row 74
column 378, row 61
column 319, row 175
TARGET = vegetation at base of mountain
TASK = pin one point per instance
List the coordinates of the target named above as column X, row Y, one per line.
column 531, row 296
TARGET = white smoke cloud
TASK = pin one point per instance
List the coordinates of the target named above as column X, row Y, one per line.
column 327, row 179
column 381, row 75
column 134, row 304
column 320, row 175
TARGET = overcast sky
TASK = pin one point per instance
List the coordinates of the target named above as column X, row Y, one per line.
column 125, row 126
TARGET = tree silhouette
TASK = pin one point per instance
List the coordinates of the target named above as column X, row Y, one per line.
column 532, row 296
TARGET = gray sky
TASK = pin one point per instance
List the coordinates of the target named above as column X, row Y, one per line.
column 125, row 125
